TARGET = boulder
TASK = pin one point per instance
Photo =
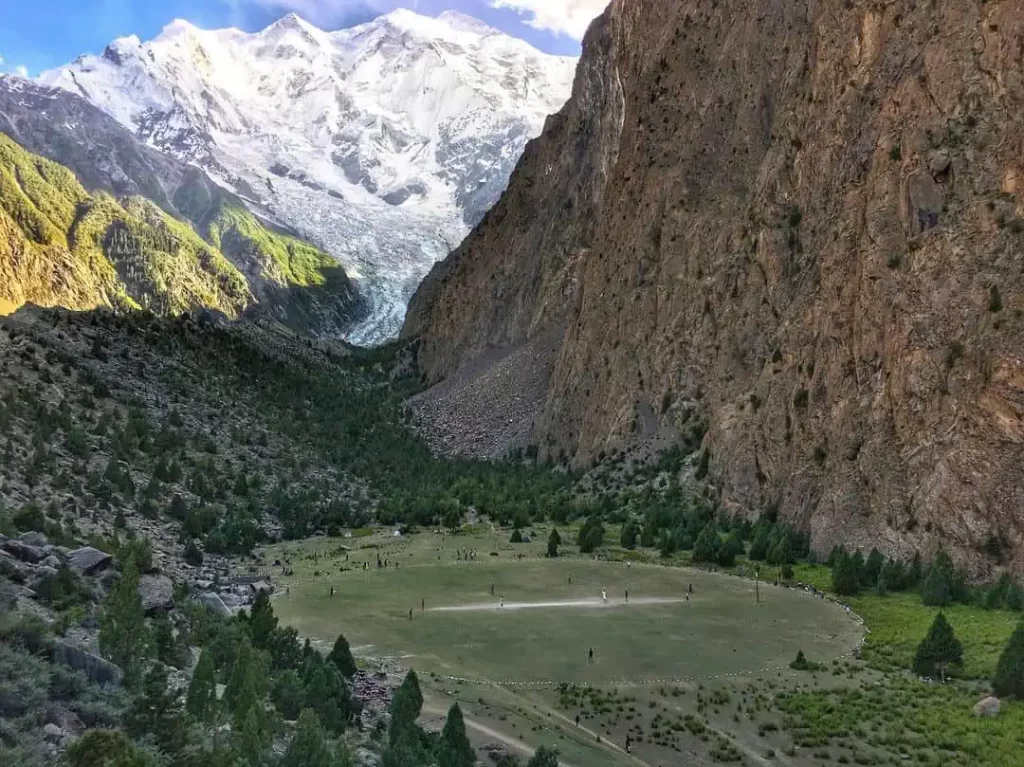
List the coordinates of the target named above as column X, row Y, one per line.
column 88, row 560
column 34, row 539
column 23, row 551
column 53, row 733
column 157, row 592
column 216, row 604
column 232, row 600
column 95, row 668
column 52, row 561
column 43, row 571
column 987, row 707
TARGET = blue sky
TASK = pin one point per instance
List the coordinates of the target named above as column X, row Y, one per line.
column 39, row 34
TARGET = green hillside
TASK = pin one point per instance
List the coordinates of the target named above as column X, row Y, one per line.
column 62, row 246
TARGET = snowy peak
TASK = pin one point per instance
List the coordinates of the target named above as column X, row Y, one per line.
column 383, row 143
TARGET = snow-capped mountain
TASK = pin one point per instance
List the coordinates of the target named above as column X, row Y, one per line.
column 383, row 143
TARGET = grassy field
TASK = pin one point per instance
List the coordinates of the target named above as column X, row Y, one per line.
column 720, row 630
column 898, row 623
column 698, row 682
column 663, row 664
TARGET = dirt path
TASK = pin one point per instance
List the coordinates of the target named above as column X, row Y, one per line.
column 595, row 603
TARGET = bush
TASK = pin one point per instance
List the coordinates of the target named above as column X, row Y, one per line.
column 802, row 664
column 193, row 554
column 106, row 748
column 30, row 518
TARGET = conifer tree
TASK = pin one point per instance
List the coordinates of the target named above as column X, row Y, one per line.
column 936, row 590
column 454, row 749
column 308, row 747
column 759, row 546
column 873, row 568
column 202, row 689
column 939, row 650
column 157, row 713
column 707, row 545
column 845, row 580
column 554, row 541
column 123, row 624
column 1008, row 681
column 252, row 737
column 405, row 706
column 781, row 552
column 341, row 657
column 262, row 621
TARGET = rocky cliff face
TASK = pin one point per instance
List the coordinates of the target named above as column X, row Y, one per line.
column 800, row 222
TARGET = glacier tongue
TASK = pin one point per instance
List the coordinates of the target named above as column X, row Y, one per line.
column 383, row 143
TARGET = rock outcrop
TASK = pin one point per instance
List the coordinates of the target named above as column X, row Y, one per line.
column 802, row 223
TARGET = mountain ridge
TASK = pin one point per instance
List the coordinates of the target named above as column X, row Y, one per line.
column 382, row 143
column 280, row 278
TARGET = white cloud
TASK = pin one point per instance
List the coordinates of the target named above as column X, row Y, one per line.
column 21, row 71
column 563, row 17
column 1, row 61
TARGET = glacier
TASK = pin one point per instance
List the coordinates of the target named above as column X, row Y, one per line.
column 383, row 143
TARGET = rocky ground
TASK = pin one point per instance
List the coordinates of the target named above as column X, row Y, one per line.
column 490, row 408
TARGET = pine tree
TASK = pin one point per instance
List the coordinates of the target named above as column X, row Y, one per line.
column 252, row 739
column 288, row 695
column 707, row 545
column 893, row 575
column 936, row 590
column 262, row 621
column 123, row 624
column 731, row 549
column 759, row 546
column 1008, row 681
column 454, row 749
column 857, row 560
column 341, row 657
column 873, row 568
column 405, row 706
column 782, row 552
column 844, row 576
column 406, row 750
column 157, row 713
column 939, row 650
column 202, row 689
column 308, row 747
column 327, row 694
